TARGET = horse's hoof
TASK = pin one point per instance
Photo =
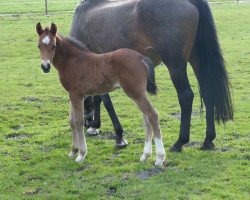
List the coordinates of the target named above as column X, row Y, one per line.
column 122, row 144
column 80, row 158
column 92, row 132
column 207, row 146
column 175, row 149
column 72, row 154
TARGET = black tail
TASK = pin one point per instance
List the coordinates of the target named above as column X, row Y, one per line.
column 151, row 86
column 213, row 78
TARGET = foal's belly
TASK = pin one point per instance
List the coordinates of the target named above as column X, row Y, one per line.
column 100, row 89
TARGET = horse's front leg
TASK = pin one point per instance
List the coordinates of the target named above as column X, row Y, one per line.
column 93, row 130
column 120, row 141
column 78, row 121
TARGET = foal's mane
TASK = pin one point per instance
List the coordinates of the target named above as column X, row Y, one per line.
column 76, row 43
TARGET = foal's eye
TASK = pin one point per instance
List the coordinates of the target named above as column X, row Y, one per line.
column 54, row 46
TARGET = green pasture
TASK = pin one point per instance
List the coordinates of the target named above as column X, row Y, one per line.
column 35, row 137
column 36, row 6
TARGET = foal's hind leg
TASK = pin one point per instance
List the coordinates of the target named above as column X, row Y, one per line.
column 179, row 78
column 151, row 116
column 148, row 141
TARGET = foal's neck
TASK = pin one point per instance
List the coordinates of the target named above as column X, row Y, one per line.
column 64, row 52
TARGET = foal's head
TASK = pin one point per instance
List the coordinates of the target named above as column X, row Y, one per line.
column 47, row 45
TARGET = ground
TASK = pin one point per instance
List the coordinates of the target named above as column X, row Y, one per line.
column 35, row 136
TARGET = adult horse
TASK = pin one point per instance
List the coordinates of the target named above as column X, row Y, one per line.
column 174, row 32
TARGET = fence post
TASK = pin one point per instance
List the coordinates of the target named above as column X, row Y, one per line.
column 46, row 7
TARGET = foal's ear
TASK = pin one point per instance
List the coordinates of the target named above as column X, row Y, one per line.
column 53, row 29
column 39, row 29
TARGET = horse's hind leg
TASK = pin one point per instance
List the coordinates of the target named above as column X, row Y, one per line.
column 210, row 129
column 179, row 78
column 151, row 117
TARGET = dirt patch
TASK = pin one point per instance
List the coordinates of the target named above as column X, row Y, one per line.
column 26, row 157
column 35, row 178
column 82, row 168
column 28, row 85
column 31, row 99
column 178, row 115
column 192, row 144
column 17, row 127
column 107, row 135
column 139, row 141
column 32, row 191
column 223, row 149
column 112, row 190
column 56, row 99
column 115, row 155
column 146, row 174
column 16, row 136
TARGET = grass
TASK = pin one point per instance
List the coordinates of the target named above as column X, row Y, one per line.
column 36, row 6
column 35, row 135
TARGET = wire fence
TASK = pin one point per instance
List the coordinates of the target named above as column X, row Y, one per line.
column 52, row 6
column 36, row 6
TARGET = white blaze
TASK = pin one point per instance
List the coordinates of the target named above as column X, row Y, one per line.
column 46, row 40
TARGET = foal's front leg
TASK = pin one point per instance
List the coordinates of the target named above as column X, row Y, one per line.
column 78, row 121
column 75, row 143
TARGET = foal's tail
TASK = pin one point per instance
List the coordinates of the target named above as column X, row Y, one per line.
column 213, row 78
column 151, row 86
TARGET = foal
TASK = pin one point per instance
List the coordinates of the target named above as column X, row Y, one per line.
column 83, row 73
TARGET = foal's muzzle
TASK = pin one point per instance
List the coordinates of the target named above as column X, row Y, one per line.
column 45, row 68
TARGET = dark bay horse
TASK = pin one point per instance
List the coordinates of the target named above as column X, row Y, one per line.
column 84, row 73
column 172, row 31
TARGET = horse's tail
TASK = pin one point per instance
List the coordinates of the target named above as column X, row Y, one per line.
column 151, row 86
column 213, row 78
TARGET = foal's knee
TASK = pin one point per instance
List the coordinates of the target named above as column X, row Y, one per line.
column 71, row 123
column 78, row 123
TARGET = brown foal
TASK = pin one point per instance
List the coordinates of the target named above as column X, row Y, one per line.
column 84, row 73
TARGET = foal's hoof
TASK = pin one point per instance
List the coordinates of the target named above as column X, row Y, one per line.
column 160, row 158
column 145, row 156
column 72, row 154
column 175, row 148
column 80, row 158
column 159, row 162
column 208, row 146
column 92, row 131
column 121, row 144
